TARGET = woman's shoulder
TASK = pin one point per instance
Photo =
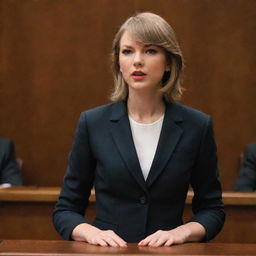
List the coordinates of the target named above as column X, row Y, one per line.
column 189, row 113
column 103, row 111
column 191, row 119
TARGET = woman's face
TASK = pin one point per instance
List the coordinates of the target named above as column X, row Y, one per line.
column 142, row 66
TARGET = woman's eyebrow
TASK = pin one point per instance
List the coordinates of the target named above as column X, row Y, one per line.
column 144, row 46
column 126, row 46
column 148, row 45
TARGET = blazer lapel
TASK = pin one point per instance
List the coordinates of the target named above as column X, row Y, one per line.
column 169, row 138
column 122, row 136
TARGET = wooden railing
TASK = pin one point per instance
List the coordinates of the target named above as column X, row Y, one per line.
column 50, row 194
column 26, row 213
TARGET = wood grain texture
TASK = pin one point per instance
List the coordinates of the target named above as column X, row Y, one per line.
column 54, row 63
column 23, row 247
column 51, row 194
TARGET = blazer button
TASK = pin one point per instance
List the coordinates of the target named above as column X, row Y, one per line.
column 143, row 200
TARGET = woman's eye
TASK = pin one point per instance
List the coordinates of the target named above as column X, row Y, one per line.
column 126, row 52
column 151, row 51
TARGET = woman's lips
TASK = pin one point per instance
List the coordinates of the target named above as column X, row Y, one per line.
column 138, row 78
column 138, row 75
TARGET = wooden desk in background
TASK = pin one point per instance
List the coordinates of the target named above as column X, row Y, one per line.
column 25, row 213
column 37, row 247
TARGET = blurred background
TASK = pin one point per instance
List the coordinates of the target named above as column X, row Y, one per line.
column 54, row 63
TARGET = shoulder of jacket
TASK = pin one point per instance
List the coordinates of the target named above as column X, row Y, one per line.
column 98, row 113
column 191, row 113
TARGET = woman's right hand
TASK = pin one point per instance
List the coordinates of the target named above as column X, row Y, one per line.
column 92, row 235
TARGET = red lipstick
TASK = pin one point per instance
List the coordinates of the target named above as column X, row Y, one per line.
column 138, row 75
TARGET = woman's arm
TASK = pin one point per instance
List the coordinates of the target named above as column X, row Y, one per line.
column 78, row 181
column 69, row 212
column 207, row 204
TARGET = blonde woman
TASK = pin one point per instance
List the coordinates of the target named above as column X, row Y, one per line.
column 142, row 152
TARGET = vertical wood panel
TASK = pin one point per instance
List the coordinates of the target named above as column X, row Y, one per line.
column 54, row 63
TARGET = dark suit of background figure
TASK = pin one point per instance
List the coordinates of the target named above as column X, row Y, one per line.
column 246, row 180
column 104, row 155
column 9, row 169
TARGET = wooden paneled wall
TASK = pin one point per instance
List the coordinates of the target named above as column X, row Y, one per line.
column 54, row 63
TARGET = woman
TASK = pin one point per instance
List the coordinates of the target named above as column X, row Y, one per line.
column 142, row 151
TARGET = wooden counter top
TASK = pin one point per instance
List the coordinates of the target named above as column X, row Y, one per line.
column 46, row 247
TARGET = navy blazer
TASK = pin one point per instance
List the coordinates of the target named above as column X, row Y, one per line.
column 104, row 156
column 9, row 169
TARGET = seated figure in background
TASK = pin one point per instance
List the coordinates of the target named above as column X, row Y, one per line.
column 9, row 168
column 246, row 180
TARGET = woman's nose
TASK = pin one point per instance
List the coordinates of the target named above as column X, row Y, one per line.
column 138, row 59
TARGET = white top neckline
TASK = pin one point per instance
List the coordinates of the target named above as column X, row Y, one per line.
column 144, row 124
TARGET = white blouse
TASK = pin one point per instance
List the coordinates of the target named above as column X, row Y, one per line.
column 145, row 138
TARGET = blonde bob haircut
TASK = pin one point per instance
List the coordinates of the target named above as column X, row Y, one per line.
column 150, row 29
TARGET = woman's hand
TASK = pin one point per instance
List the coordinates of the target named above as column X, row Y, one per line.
column 164, row 238
column 93, row 235
column 191, row 231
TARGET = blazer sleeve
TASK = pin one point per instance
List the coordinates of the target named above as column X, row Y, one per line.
column 246, row 180
column 207, row 202
column 78, row 181
column 10, row 171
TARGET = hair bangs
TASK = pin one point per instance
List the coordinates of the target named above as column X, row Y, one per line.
column 146, row 33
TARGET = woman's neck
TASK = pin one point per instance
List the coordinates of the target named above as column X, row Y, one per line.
column 146, row 109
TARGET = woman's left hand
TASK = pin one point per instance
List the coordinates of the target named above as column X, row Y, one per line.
column 165, row 238
column 191, row 231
